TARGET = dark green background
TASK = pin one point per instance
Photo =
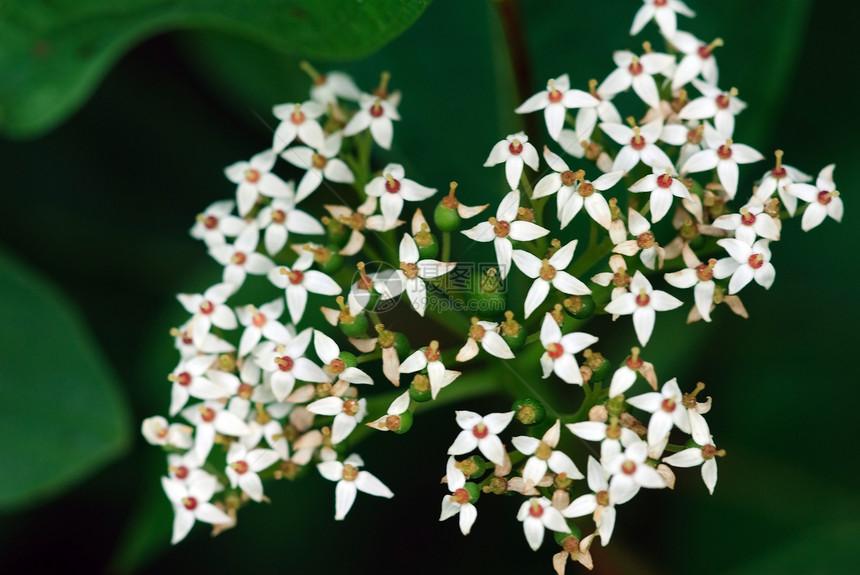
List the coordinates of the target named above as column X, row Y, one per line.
column 101, row 206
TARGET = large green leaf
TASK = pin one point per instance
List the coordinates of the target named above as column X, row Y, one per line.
column 62, row 415
column 53, row 54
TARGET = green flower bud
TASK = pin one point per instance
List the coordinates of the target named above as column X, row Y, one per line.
column 419, row 389
column 579, row 306
column 474, row 491
column 445, row 216
column 400, row 423
column 561, row 536
column 529, row 411
column 348, row 359
column 355, row 326
column 513, row 332
column 599, row 365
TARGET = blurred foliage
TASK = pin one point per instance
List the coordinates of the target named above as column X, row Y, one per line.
column 63, row 415
column 108, row 222
column 53, row 53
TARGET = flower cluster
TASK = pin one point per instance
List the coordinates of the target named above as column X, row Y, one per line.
column 267, row 388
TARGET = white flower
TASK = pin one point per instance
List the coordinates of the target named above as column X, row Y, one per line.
column 191, row 502
column 300, row 280
column 328, row 87
column 724, row 155
column 544, row 455
column 358, row 220
column 778, row 179
column 702, row 277
column 639, row 144
column 612, row 437
column 667, row 410
column 209, row 310
column 156, row 431
column 266, row 423
column 639, row 72
column 183, row 467
column 662, row 187
column 630, row 472
column 411, row 274
column 716, row 104
column 704, row 456
column 549, row 271
column 747, row 262
column 698, row 59
column 262, row 321
column 321, row 164
column 751, row 222
column 554, row 101
column 642, row 303
column 431, row 358
column 481, row 433
column 487, row 333
column 298, row 120
column 823, row 199
column 286, row 363
column 458, row 501
column 391, row 421
column 184, row 343
column 617, row 276
column 254, row 178
column 537, row 514
column 574, row 142
column 189, row 381
column 392, row 188
column 243, row 467
column 652, row 254
column 663, row 12
column 503, row 228
column 625, row 376
column 350, row 481
column 209, row 417
column 280, row 218
column 599, row 503
column 513, row 151
column 347, row 414
column 217, row 221
column 558, row 357
column 329, row 352
column 574, row 191
column 376, row 113
column 242, row 258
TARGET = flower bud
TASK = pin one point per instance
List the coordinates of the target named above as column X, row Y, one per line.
column 348, row 359
column 496, row 486
column 353, row 326
column 445, row 215
column 428, row 247
column 446, row 219
column 513, row 332
column 561, row 536
column 599, row 365
column 615, row 405
column 579, row 306
column 474, row 491
column 419, row 389
column 400, row 423
column 529, row 411
column 489, row 299
column 338, row 233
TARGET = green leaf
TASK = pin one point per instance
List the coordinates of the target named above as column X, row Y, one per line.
column 53, row 54
column 62, row 415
